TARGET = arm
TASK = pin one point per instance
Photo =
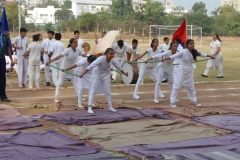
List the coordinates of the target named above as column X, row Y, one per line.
column 139, row 57
column 81, row 75
column 71, row 67
column 172, row 57
column 116, row 65
column 128, row 56
column 91, row 66
column 14, row 44
column 217, row 51
column 54, row 59
column 157, row 56
column 26, row 53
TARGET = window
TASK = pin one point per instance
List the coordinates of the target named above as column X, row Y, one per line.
column 81, row 8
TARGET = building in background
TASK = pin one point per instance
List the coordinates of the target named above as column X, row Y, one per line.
column 33, row 3
column 234, row 3
column 168, row 4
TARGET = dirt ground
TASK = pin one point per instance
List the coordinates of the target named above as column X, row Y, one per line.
column 25, row 100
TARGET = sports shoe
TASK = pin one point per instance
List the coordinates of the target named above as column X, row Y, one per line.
column 20, row 86
column 93, row 105
column 48, row 84
column 5, row 100
column 203, row 75
column 56, row 100
column 164, row 81
column 90, row 110
column 136, row 96
column 197, row 104
column 177, row 100
column 80, row 105
column 112, row 109
column 173, row 105
column 156, row 101
column 161, row 95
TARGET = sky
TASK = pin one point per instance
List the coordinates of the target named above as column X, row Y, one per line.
column 187, row 4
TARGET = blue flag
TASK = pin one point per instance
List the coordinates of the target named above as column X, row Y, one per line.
column 5, row 25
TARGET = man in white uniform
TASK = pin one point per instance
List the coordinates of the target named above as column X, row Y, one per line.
column 120, row 48
column 21, row 44
column 103, row 34
column 163, row 48
column 56, row 49
column 46, row 45
column 80, row 40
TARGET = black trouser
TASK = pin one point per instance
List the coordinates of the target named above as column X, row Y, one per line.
column 3, row 78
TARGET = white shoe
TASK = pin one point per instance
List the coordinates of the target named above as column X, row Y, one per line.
column 90, row 110
column 84, row 99
column 156, row 101
column 136, row 97
column 112, row 109
column 80, row 105
column 20, row 86
column 93, row 105
column 161, row 96
column 56, row 100
column 197, row 104
column 177, row 100
column 173, row 105
column 142, row 82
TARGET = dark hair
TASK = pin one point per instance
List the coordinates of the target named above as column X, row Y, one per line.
column 195, row 53
column 218, row 37
column 134, row 41
column 1, row 24
column 153, row 42
column 91, row 58
column 75, row 32
column 104, row 32
column 120, row 43
column 71, row 41
column 35, row 37
column 107, row 50
column 58, row 36
column 51, row 32
column 166, row 38
column 178, row 40
column 23, row 30
column 171, row 44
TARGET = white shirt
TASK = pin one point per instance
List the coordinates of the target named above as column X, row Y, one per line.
column 102, row 67
column 34, row 53
column 46, row 45
column 164, row 47
column 151, row 53
column 8, row 61
column 57, row 48
column 80, row 44
column 214, row 45
column 70, row 57
column 134, row 52
column 120, row 52
column 179, row 48
column 82, row 64
column 21, row 42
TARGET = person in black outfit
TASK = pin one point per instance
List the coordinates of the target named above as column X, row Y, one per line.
column 5, row 44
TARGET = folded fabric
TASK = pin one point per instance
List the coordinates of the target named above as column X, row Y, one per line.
column 8, row 111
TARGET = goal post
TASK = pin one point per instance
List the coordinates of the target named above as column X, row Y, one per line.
column 161, row 31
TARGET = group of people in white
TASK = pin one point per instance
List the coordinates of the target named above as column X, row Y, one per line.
column 174, row 64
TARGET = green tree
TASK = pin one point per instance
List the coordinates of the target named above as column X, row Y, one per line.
column 88, row 22
column 67, row 4
column 122, row 9
column 216, row 11
column 234, row 25
column 12, row 14
column 48, row 26
column 30, row 27
column 199, row 7
column 63, row 15
column 48, row 3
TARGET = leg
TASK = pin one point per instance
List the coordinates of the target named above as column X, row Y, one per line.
column 20, row 70
column 25, row 70
column 220, row 70
column 55, row 74
column 207, row 70
column 37, row 76
column 80, row 91
column 169, row 77
column 3, row 78
column 46, row 68
column 159, row 78
column 140, row 78
column 94, row 84
column 31, row 75
column 191, row 93
column 173, row 97
column 58, row 87
column 106, row 85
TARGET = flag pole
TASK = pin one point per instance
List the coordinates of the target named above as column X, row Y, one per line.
column 19, row 15
column 186, row 28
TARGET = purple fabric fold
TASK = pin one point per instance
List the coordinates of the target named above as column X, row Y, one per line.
column 195, row 148
column 230, row 122
column 40, row 145
column 104, row 116
column 15, row 123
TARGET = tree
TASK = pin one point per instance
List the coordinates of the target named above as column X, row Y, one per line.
column 234, row 25
column 48, row 3
column 88, row 22
column 216, row 11
column 48, row 26
column 67, row 4
column 199, row 7
column 63, row 15
column 12, row 14
column 122, row 9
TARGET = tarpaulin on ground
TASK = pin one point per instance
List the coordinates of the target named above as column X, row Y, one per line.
column 146, row 131
column 18, row 123
column 215, row 148
column 207, row 109
column 231, row 122
column 36, row 145
column 8, row 111
column 97, row 156
column 104, row 116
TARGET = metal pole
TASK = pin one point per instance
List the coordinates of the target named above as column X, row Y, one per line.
column 150, row 34
column 201, row 39
column 19, row 15
column 191, row 31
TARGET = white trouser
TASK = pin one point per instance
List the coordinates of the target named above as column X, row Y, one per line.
column 75, row 84
column 191, row 92
column 55, row 72
column 34, row 74
column 22, row 69
column 141, row 77
column 106, row 90
column 46, row 68
column 62, row 75
column 114, row 74
column 220, row 70
column 160, row 76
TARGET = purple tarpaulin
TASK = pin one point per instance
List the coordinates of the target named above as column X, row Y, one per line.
column 231, row 122
column 104, row 116
column 18, row 123
column 210, row 148
column 36, row 145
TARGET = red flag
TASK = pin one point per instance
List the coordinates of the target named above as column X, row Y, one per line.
column 181, row 33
